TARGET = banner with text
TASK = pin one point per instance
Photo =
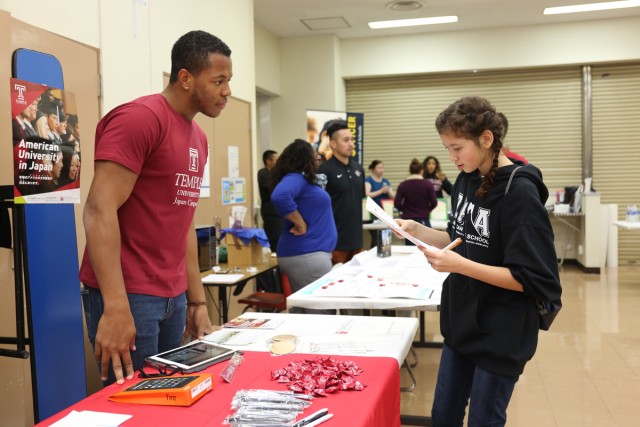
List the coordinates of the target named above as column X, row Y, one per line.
column 317, row 123
column 46, row 144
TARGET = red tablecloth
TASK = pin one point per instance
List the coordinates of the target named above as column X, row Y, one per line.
column 378, row 405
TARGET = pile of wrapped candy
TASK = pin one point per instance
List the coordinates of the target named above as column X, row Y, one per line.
column 319, row 376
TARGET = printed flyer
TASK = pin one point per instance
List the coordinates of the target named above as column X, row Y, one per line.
column 46, row 144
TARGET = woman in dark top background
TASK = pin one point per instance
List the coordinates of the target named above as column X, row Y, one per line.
column 434, row 174
column 415, row 197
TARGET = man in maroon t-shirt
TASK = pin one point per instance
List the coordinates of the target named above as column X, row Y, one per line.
column 142, row 288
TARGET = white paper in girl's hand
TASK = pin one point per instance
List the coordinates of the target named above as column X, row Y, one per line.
column 379, row 213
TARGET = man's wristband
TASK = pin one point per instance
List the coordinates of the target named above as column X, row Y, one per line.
column 196, row 303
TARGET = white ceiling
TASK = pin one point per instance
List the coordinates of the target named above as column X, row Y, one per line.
column 283, row 17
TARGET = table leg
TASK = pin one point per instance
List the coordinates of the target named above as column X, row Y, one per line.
column 422, row 342
column 224, row 306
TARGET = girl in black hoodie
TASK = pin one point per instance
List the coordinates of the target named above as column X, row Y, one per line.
column 505, row 265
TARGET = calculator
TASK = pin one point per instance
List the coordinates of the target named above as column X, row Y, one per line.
column 174, row 391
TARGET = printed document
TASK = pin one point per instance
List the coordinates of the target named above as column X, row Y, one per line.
column 379, row 213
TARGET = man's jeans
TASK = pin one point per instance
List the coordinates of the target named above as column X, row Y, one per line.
column 159, row 322
column 460, row 381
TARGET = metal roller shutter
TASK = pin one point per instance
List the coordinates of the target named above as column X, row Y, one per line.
column 543, row 107
column 616, row 145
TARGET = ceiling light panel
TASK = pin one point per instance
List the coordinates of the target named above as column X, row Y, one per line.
column 413, row 22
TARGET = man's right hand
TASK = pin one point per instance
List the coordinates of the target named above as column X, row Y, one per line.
column 114, row 340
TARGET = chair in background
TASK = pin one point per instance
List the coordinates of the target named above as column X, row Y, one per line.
column 269, row 301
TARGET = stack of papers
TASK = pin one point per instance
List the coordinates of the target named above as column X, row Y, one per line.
column 222, row 278
column 91, row 419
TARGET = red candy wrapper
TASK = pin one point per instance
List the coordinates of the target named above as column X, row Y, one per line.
column 319, row 376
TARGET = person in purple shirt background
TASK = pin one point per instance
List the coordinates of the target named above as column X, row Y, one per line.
column 415, row 197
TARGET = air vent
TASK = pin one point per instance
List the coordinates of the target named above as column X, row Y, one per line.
column 404, row 5
column 333, row 23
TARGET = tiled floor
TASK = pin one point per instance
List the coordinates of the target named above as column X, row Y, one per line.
column 586, row 371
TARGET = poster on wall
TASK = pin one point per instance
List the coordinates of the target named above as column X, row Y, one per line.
column 355, row 121
column 234, row 190
column 317, row 123
column 46, row 144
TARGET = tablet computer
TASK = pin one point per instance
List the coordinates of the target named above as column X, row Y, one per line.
column 192, row 357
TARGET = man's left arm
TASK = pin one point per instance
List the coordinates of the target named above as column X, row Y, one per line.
column 198, row 321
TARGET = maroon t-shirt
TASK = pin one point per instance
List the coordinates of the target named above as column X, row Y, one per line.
column 168, row 153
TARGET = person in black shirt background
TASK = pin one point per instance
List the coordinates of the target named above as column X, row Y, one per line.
column 345, row 184
column 272, row 223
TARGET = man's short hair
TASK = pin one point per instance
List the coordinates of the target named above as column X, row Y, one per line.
column 267, row 155
column 335, row 126
column 192, row 51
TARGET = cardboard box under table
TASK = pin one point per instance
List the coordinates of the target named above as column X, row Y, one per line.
column 244, row 246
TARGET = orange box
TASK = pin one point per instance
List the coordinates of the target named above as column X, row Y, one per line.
column 241, row 255
column 180, row 390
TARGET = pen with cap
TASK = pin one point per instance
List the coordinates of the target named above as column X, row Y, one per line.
column 316, row 416
column 319, row 420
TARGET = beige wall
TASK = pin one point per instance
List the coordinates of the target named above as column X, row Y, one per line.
column 310, row 80
column 267, row 62
column 307, row 63
column 74, row 19
column 135, row 38
column 516, row 47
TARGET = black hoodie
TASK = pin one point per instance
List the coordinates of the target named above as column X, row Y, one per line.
column 495, row 328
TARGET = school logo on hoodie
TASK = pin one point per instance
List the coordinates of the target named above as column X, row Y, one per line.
column 478, row 217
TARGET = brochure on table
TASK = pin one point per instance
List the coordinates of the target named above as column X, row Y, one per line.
column 321, row 334
column 248, row 322
column 367, row 276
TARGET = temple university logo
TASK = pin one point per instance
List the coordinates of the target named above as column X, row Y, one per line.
column 193, row 160
column 21, row 90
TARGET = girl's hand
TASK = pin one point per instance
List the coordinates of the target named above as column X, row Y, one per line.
column 407, row 225
column 441, row 176
column 443, row 261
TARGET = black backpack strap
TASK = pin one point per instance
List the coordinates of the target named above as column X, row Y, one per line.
column 511, row 179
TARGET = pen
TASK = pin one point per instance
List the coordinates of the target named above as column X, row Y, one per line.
column 311, row 418
column 319, row 420
column 452, row 245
